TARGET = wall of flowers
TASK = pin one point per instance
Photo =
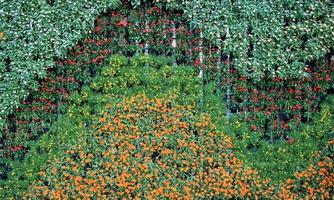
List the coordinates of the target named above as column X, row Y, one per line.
column 272, row 108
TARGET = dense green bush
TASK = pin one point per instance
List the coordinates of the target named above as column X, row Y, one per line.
column 145, row 74
column 33, row 34
column 43, row 107
column 94, row 100
column 291, row 52
column 284, row 157
column 112, row 83
column 173, row 154
column 179, row 156
column 123, row 28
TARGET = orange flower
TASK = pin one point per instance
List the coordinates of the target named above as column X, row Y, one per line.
column 166, row 152
column 102, row 120
column 321, row 164
column 54, row 170
column 311, row 191
column 164, row 160
column 187, row 189
column 57, row 194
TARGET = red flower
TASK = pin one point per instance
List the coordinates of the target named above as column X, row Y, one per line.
column 196, row 49
column 253, row 127
column 196, row 63
column 291, row 91
column 255, row 100
column 278, row 79
column 147, row 30
column 231, row 70
column 297, row 107
column 308, row 69
column 284, row 125
column 70, row 79
column 114, row 14
column 16, row 148
column 98, row 29
column 275, row 124
column 214, row 49
column 99, row 20
column 290, row 140
column 317, row 88
column 105, row 51
column 242, row 78
column 70, row 62
column 153, row 9
column 242, row 89
column 267, row 113
column 299, row 97
column 122, row 23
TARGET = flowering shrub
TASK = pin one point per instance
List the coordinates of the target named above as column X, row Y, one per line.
column 286, row 156
column 268, row 134
column 146, row 74
column 181, row 155
column 315, row 182
column 125, row 155
column 100, row 128
column 43, row 107
column 265, row 106
column 43, row 31
column 276, row 107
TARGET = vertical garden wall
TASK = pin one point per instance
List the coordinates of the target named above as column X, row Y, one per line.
column 33, row 34
column 269, row 62
column 273, row 106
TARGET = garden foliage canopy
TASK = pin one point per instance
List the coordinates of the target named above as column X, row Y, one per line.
column 265, row 39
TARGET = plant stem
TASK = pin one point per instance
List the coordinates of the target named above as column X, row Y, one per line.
column 228, row 88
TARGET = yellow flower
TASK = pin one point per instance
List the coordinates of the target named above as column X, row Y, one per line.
column 238, row 124
column 2, row 35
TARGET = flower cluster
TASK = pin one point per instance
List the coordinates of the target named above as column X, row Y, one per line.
column 151, row 148
column 279, row 106
column 43, row 106
column 128, row 156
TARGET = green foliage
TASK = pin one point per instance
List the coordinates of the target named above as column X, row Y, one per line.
column 179, row 148
column 141, row 60
column 50, row 146
column 284, row 157
column 33, row 33
column 114, row 81
column 146, row 74
column 267, row 38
